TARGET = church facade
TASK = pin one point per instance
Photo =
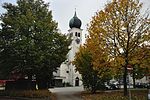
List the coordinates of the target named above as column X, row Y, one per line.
column 67, row 74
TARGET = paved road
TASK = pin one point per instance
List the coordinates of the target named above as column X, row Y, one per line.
column 67, row 93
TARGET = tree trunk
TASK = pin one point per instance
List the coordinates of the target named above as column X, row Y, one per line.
column 125, row 80
column 94, row 88
column 133, row 77
column 42, row 84
column 93, row 91
column 29, row 77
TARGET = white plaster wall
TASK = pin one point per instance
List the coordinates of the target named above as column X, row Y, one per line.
column 67, row 65
column 74, row 48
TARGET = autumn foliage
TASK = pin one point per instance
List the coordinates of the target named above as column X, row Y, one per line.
column 119, row 36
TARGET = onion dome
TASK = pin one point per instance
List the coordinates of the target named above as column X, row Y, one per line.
column 75, row 22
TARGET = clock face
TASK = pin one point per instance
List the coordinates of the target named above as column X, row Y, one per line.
column 77, row 41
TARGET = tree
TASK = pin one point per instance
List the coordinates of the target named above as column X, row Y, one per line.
column 94, row 63
column 122, row 30
column 140, row 63
column 30, row 43
column 92, row 79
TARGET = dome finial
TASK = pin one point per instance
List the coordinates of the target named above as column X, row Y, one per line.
column 75, row 21
column 75, row 14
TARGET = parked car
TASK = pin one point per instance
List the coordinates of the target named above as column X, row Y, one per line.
column 142, row 85
column 148, row 85
column 112, row 86
column 107, row 87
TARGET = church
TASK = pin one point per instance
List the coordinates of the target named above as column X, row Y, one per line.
column 67, row 75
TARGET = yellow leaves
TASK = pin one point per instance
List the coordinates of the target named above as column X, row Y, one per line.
column 82, row 58
column 117, row 63
column 115, row 34
column 141, row 57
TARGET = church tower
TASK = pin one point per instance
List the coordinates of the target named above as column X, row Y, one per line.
column 67, row 75
column 75, row 32
column 67, row 69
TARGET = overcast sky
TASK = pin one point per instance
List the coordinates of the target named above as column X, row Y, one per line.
column 63, row 10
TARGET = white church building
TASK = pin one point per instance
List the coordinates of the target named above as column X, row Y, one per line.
column 67, row 74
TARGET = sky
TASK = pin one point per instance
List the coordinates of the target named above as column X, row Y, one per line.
column 63, row 10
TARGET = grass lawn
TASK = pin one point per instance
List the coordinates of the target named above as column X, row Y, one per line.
column 138, row 94
column 31, row 94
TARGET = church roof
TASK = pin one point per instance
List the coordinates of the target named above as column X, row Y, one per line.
column 75, row 22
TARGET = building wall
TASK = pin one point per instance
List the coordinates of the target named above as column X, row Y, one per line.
column 67, row 71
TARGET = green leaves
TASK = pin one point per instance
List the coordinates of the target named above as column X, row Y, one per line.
column 29, row 39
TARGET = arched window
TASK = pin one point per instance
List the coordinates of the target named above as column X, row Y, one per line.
column 78, row 34
column 76, row 81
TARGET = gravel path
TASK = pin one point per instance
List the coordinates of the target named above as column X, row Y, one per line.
column 67, row 93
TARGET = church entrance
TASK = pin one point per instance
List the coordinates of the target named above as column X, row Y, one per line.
column 77, row 81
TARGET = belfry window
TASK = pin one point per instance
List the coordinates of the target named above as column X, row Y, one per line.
column 76, row 34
